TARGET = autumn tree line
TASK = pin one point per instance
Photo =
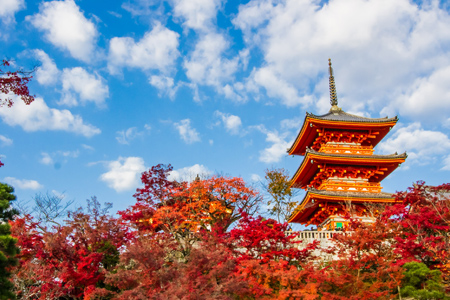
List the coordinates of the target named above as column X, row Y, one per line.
column 204, row 239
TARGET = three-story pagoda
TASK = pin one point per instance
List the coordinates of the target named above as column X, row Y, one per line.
column 339, row 169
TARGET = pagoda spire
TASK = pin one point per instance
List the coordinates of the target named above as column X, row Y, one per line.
column 333, row 95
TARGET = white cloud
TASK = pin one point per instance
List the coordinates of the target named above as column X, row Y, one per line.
column 422, row 146
column 446, row 163
column 66, row 27
column 207, row 64
column 8, row 8
column 38, row 116
column 189, row 173
column 73, row 154
column 278, row 88
column 125, row 136
column 279, row 146
column 255, row 178
column 57, row 158
column 187, row 133
column 142, row 8
column 233, row 92
column 157, row 50
column 196, row 14
column 232, row 123
column 295, row 123
column 427, row 98
column 123, row 173
column 59, row 194
column 46, row 159
column 378, row 49
column 253, row 15
column 275, row 152
column 77, row 84
column 24, row 184
column 89, row 87
column 115, row 14
column 5, row 141
column 48, row 72
column 164, row 84
column 87, row 147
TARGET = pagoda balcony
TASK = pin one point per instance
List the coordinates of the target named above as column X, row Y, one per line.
column 346, row 148
column 349, row 186
column 323, row 237
column 306, row 237
column 310, row 236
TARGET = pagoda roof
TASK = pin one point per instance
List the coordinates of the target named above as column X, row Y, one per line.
column 337, row 114
column 350, row 156
column 350, row 194
column 337, row 119
column 314, row 160
column 313, row 198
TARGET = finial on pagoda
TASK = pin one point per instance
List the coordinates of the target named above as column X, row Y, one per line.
column 333, row 95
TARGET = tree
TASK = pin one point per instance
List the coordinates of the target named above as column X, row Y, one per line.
column 372, row 261
column 182, row 209
column 150, row 270
column 265, row 240
column 178, row 246
column 8, row 248
column 257, row 258
column 182, row 244
column 421, row 221
column 48, row 209
column 72, row 260
column 15, row 82
column 278, row 186
column 422, row 283
column 364, row 264
column 270, row 260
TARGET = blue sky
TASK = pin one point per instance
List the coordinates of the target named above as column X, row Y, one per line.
column 214, row 86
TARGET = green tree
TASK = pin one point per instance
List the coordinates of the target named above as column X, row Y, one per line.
column 8, row 249
column 278, row 186
column 422, row 283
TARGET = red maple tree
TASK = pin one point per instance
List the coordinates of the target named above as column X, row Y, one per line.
column 15, row 82
column 70, row 260
column 421, row 221
column 177, row 207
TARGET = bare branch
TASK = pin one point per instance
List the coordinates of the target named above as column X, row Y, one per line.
column 49, row 207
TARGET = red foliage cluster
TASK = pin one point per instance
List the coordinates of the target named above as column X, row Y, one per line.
column 180, row 248
column 422, row 225
column 70, row 260
column 186, row 206
column 14, row 82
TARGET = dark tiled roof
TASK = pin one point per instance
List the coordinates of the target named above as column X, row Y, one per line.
column 374, row 156
column 351, row 194
column 337, row 114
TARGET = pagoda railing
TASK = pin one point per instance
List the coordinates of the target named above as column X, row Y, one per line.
column 306, row 237
column 346, row 149
column 346, row 186
column 323, row 237
column 316, row 235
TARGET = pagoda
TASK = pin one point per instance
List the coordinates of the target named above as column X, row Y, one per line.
column 339, row 170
